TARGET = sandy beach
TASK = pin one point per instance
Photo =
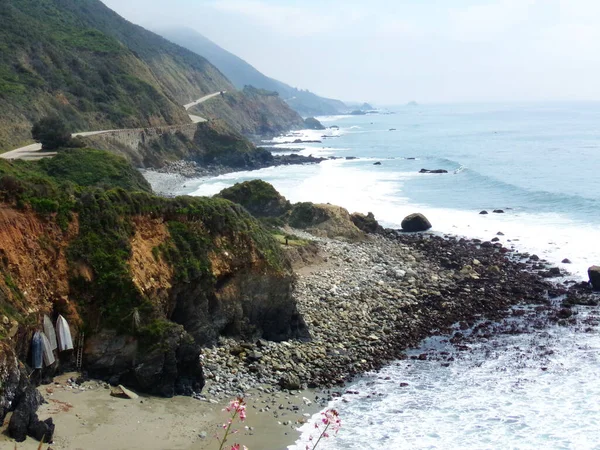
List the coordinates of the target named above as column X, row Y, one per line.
column 88, row 417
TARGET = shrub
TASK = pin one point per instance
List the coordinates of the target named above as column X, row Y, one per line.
column 51, row 132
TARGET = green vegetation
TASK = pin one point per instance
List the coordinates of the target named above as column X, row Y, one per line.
column 51, row 132
column 291, row 240
column 76, row 181
column 304, row 215
column 79, row 60
column 260, row 198
column 251, row 112
column 89, row 167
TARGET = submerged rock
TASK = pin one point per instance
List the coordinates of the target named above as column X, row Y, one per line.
column 433, row 171
column 415, row 222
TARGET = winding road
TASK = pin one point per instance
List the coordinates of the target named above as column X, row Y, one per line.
column 34, row 151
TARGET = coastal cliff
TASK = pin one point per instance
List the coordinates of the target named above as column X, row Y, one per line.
column 252, row 112
column 148, row 280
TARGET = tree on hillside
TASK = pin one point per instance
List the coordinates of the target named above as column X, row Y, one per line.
column 51, row 132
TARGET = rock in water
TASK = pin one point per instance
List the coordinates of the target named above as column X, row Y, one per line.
column 594, row 274
column 433, row 171
column 483, row 212
column 416, row 222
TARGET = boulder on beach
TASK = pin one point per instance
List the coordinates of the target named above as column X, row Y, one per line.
column 483, row 212
column 499, row 211
column 415, row 222
column 594, row 274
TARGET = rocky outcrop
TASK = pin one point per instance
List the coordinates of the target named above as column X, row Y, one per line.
column 24, row 420
column 313, row 124
column 594, row 274
column 415, row 222
column 367, row 223
column 260, row 198
column 324, row 220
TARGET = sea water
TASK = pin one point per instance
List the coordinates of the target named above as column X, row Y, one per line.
column 538, row 163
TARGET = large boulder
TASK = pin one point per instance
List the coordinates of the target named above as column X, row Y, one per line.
column 415, row 222
column 24, row 419
column 367, row 223
column 324, row 220
column 260, row 198
column 594, row 274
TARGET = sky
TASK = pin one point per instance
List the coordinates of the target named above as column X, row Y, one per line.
column 394, row 51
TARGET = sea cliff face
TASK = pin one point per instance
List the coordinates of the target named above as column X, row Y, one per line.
column 148, row 280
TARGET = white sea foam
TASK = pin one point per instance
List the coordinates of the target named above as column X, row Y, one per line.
column 532, row 391
column 356, row 187
column 333, row 118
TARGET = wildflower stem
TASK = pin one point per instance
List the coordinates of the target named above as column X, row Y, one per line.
column 228, row 429
column 321, row 436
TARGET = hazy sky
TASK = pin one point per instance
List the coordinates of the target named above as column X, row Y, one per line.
column 393, row 51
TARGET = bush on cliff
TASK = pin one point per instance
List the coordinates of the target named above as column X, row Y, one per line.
column 51, row 132
column 260, row 198
column 89, row 167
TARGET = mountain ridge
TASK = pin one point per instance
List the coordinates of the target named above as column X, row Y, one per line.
column 241, row 73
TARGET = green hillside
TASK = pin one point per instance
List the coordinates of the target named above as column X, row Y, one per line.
column 80, row 60
column 241, row 74
column 252, row 112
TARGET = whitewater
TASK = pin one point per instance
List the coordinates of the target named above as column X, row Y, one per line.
column 538, row 163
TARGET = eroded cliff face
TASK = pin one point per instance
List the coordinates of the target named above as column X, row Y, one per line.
column 193, row 271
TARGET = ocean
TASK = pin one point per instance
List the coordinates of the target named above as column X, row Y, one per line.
column 536, row 162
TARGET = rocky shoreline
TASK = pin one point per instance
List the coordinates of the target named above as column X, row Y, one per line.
column 172, row 175
column 366, row 303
